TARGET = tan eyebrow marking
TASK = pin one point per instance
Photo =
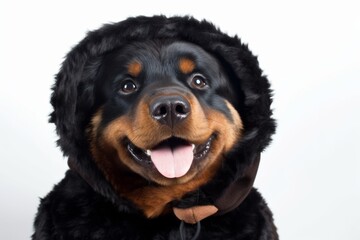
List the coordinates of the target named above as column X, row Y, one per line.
column 134, row 68
column 186, row 65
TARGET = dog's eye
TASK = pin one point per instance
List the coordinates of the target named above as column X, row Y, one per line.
column 128, row 86
column 198, row 81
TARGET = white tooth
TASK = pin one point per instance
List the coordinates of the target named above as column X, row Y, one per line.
column 193, row 146
column 148, row 152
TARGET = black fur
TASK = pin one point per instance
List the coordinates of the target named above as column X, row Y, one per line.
column 74, row 210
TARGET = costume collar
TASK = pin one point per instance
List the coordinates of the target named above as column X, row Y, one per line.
column 230, row 199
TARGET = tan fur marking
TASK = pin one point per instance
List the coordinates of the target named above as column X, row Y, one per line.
column 134, row 68
column 238, row 127
column 186, row 65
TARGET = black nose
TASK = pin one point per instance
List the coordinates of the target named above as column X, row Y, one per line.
column 170, row 110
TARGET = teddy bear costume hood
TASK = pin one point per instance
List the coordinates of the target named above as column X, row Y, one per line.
column 74, row 89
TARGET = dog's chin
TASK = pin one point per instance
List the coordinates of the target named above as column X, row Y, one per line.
column 172, row 161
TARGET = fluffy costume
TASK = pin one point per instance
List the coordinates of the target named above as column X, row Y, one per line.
column 84, row 205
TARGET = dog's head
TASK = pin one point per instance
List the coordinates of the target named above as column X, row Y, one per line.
column 166, row 111
column 161, row 102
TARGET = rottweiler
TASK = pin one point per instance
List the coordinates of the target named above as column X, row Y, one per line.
column 163, row 121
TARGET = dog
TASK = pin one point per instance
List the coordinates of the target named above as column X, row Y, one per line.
column 163, row 121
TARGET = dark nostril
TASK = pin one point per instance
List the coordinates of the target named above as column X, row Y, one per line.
column 160, row 110
column 181, row 108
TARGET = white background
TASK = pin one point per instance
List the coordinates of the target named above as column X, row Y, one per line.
column 309, row 50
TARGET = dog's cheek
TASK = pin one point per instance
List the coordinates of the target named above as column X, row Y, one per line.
column 106, row 147
column 98, row 147
column 234, row 128
column 229, row 131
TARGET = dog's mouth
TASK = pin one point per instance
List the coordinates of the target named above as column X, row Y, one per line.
column 172, row 157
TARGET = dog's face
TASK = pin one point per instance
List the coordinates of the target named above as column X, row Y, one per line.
column 165, row 113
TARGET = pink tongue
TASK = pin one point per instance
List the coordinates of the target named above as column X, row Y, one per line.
column 172, row 163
